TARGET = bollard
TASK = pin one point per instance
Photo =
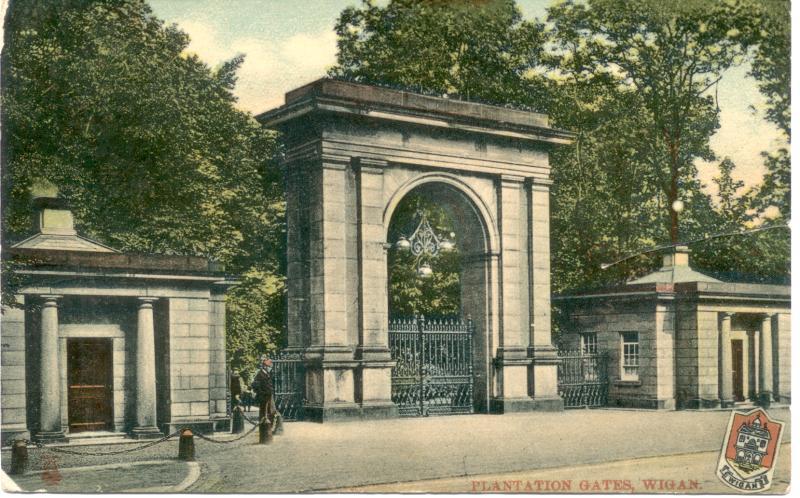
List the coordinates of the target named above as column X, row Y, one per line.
column 19, row 457
column 264, row 432
column 186, row 446
column 237, row 422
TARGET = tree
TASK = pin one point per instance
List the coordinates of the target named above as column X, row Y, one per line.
column 671, row 54
column 473, row 50
column 439, row 294
column 760, row 256
column 771, row 67
column 102, row 99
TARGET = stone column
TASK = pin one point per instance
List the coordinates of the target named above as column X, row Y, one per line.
column 765, row 388
column 145, row 372
column 544, row 389
column 50, row 395
column 375, row 371
column 725, row 361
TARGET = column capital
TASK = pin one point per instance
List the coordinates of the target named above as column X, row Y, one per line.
column 511, row 180
column 372, row 166
column 725, row 315
column 144, row 301
column 334, row 161
column 767, row 316
column 537, row 183
column 50, row 299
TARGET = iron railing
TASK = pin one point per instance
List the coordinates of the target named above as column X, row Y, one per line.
column 289, row 379
column 583, row 378
column 433, row 373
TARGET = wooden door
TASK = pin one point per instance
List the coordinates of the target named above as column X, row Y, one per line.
column 737, row 351
column 89, row 379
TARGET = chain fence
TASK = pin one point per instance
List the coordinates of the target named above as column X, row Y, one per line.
column 57, row 449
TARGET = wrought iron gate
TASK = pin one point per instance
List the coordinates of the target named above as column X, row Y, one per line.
column 289, row 381
column 433, row 373
column 583, row 379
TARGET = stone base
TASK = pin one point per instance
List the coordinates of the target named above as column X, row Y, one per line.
column 222, row 424
column 644, row 403
column 514, row 405
column 726, row 403
column 334, row 412
column 50, row 437
column 379, row 411
column 700, row 404
column 199, row 426
column 151, row 432
column 764, row 399
column 10, row 434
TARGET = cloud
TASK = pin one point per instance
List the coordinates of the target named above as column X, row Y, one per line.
column 270, row 68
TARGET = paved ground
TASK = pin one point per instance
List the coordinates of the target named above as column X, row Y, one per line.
column 688, row 473
column 324, row 457
column 156, row 476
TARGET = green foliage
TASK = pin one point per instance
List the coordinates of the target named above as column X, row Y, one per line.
column 759, row 257
column 670, row 55
column 439, row 295
column 252, row 307
column 635, row 82
column 103, row 100
column 474, row 50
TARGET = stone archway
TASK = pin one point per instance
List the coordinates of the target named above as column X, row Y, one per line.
column 353, row 152
column 476, row 240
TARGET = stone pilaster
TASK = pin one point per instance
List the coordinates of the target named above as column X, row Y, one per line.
column 50, row 429
column 544, row 385
column 330, row 357
column 375, row 372
column 725, row 361
column 511, row 360
column 145, row 372
column 297, row 254
column 782, row 330
column 765, row 386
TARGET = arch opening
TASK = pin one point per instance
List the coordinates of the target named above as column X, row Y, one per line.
column 453, row 300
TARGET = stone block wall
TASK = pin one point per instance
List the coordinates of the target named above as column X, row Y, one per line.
column 782, row 328
column 190, row 358
column 218, row 375
column 686, row 352
column 12, row 363
column 654, row 324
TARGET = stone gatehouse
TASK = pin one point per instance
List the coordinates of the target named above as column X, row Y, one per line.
column 678, row 338
column 107, row 342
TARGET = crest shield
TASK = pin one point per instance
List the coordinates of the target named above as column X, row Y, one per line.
column 750, row 451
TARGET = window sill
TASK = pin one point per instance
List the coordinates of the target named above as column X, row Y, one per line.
column 628, row 383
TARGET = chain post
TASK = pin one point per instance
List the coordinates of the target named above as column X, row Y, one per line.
column 264, row 431
column 19, row 457
column 237, row 422
column 186, row 446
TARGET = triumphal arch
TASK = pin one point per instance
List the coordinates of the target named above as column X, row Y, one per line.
column 353, row 152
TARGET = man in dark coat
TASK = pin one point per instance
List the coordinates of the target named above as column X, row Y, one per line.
column 264, row 392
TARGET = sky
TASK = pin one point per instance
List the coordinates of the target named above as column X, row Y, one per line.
column 288, row 43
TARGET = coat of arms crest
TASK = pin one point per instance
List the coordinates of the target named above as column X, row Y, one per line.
column 750, row 451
